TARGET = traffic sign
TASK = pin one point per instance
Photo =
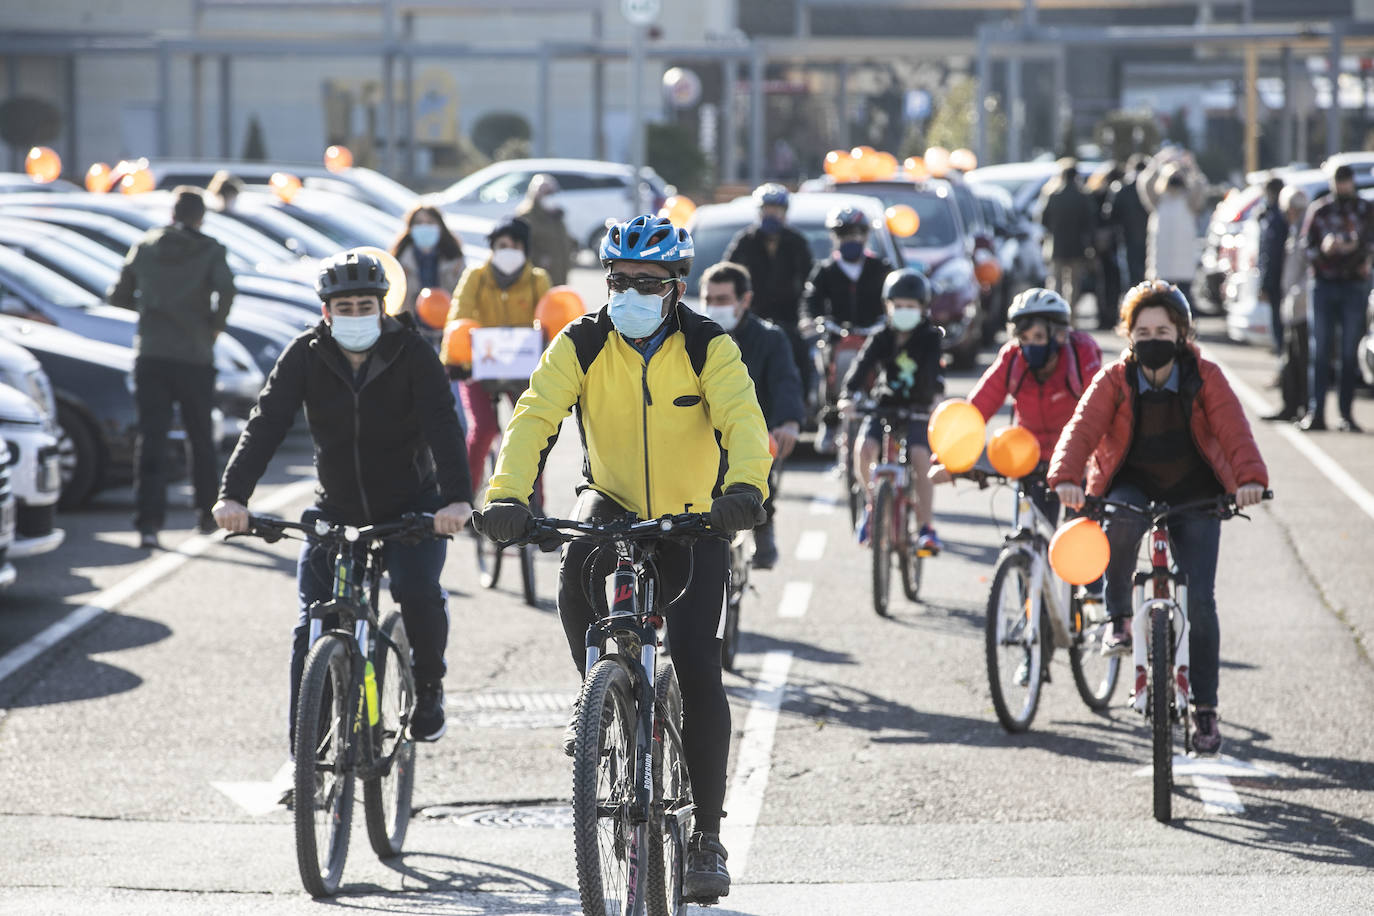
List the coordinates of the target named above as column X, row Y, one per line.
column 641, row 12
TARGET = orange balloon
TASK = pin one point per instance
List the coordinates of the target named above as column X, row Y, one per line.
column 43, row 164
column 963, row 159
column 988, row 272
column 916, row 168
column 937, row 161
column 99, row 177
column 338, row 158
column 956, row 432
column 558, row 308
column 833, row 162
column 431, row 306
column 457, row 349
column 888, row 166
column 678, row 209
column 1079, row 552
column 902, row 220
column 285, row 185
column 139, row 181
column 1014, row 451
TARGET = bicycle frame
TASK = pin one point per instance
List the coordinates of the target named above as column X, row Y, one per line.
column 895, row 465
column 1162, row 573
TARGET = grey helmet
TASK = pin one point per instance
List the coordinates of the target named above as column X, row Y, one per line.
column 351, row 273
column 1037, row 302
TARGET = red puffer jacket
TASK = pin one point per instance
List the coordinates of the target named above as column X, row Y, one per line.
column 1099, row 435
column 1041, row 407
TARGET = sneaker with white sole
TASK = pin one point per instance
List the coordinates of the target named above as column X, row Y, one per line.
column 427, row 723
column 706, row 879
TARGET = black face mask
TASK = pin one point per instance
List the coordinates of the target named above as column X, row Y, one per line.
column 1038, row 356
column 1154, row 354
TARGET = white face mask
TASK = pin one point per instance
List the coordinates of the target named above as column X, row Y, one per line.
column 906, row 319
column 508, row 260
column 723, row 315
column 357, row 334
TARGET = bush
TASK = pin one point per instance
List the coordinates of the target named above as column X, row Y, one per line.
column 495, row 128
column 254, row 148
column 672, row 151
column 27, row 121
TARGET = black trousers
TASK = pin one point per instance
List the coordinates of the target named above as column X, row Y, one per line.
column 693, row 637
column 159, row 384
column 1293, row 369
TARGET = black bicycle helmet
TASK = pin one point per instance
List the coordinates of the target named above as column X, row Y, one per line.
column 351, row 273
column 846, row 217
column 907, row 283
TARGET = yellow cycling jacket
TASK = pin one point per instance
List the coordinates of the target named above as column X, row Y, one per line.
column 480, row 297
column 657, row 437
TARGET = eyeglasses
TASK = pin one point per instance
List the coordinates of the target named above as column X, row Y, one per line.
column 619, row 283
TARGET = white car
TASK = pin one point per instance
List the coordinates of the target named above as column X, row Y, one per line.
column 35, row 473
column 590, row 192
column 7, row 519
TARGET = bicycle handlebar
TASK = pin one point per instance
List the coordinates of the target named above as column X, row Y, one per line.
column 411, row 526
column 684, row 524
column 1223, row 506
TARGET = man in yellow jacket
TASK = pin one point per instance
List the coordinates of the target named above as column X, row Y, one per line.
column 670, row 423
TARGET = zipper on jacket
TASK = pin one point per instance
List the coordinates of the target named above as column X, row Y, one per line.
column 648, row 402
column 357, row 454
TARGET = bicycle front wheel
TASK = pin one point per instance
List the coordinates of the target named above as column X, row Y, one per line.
column 1015, row 656
column 673, row 801
column 1094, row 674
column 610, row 847
column 1161, row 713
column 386, row 796
column 324, row 781
column 909, row 559
column 880, row 543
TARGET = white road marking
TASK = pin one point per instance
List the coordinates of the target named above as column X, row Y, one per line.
column 795, row 597
column 1209, row 776
column 811, row 546
column 823, row 503
column 1305, row 444
column 754, row 760
column 259, row 798
column 134, row 583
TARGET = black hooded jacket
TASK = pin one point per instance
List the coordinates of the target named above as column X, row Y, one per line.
column 767, row 355
column 387, row 439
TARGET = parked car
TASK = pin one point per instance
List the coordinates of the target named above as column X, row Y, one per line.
column 97, row 419
column 8, row 513
column 589, row 192
column 346, row 222
column 35, row 473
column 21, row 182
column 363, row 184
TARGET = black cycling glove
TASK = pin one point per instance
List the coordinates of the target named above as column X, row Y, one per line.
column 503, row 521
column 738, row 508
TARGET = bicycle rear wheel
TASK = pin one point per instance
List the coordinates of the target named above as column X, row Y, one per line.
column 672, row 821
column 880, row 543
column 909, row 559
column 1015, row 659
column 386, row 797
column 1161, row 715
column 324, row 784
column 611, row 849
column 1094, row 674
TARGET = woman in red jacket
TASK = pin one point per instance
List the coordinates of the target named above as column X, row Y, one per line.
column 1162, row 424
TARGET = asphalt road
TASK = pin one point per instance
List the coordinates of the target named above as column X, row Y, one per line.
column 136, row 754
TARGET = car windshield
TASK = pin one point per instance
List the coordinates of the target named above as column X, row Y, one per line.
column 87, row 263
column 54, row 289
column 938, row 227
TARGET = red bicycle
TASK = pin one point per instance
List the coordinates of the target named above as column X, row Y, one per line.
column 893, row 528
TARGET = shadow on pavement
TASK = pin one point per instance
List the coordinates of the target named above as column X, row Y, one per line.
column 430, row 880
column 87, row 678
column 1303, row 832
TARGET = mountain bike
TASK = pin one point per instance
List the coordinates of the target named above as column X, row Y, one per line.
column 1028, row 601
column 356, row 697
column 632, row 796
column 893, row 529
column 489, row 555
column 1159, row 636
column 836, row 347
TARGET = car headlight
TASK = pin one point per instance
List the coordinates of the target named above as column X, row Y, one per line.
column 956, row 273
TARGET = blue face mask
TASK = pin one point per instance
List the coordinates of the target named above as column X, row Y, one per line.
column 1037, row 356
column 355, row 334
column 425, row 236
column 770, row 225
column 635, row 315
column 852, row 250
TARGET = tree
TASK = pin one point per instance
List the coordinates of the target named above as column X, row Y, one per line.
column 254, row 148
column 27, row 121
column 955, row 124
column 495, row 128
column 673, row 152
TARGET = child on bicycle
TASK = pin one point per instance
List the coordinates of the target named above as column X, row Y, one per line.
column 1161, row 424
column 660, row 392
column 899, row 367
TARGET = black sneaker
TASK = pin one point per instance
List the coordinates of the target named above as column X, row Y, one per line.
column 147, row 540
column 765, row 547
column 706, row 879
column 1206, row 735
column 427, row 724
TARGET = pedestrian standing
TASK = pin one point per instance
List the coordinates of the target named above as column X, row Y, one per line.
column 1131, row 217
column 550, row 245
column 1069, row 220
column 1338, row 235
column 178, row 280
column 1171, row 187
column 1293, row 364
column 430, row 255
column 1102, row 188
column 224, row 190
column 1273, row 227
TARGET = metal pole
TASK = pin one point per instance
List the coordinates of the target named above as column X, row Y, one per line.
column 1286, row 134
column 71, row 105
column 636, row 113
column 1063, row 108
column 756, row 113
column 729, row 121
column 408, row 89
column 980, row 114
column 598, row 90
column 197, row 107
column 543, row 137
column 1333, row 114
column 842, row 100
column 1015, row 109
column 226, row 102
column 164, row 101
column 1251, row 108
column 11, row 90
column 389, row 111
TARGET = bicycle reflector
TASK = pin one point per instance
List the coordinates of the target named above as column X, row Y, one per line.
column 1013, row 451
column 956, row 434
column 1079, row 552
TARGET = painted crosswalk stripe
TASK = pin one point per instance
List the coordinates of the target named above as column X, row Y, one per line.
column 795, row 598
column 811, row 546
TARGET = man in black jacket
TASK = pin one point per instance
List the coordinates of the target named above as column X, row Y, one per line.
column 179, row 282
column 387, row 442
column 1273, row 225
column 725, row 291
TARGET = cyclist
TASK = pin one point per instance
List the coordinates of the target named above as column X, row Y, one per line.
column 386, row 443
column 501, row 293
column 768, row 357
column 1162, row 424
column 659, row 392
column 847, row 288
column 778, row 259
column 900, row 367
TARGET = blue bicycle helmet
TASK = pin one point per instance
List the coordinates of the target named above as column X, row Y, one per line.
column 772, row 195
column 649, row 238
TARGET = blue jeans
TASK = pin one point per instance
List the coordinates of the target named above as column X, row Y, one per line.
column 1194, row 541
column 1335, row 305
column 414, row 571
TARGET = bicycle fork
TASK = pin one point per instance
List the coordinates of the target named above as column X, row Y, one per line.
column 1141, row 648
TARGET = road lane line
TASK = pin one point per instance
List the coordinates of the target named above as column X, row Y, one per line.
column 134, row 583
column 795, row 597
column 754, row 760
column 1217, row 795
column 823, row 504
column 811, row 546
column 1305, row 444
column 1209, row 776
